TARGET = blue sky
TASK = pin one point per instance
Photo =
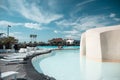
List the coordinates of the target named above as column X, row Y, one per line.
column 56, row 18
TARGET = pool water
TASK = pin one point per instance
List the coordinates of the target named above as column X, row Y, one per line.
column 62, row 66
column 93, row 70
column 55, row 47
column 69, row 65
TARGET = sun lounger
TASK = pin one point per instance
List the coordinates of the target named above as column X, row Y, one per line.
column 8, row 74
column 12, row 60
column 16, row 57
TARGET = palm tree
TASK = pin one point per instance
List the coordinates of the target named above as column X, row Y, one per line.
column 8, row 41
column 33, row 38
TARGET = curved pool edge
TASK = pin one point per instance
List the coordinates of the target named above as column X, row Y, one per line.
column 39, row 58
column 31, row 72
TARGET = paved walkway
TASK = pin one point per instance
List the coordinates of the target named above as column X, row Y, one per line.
column 25, row 69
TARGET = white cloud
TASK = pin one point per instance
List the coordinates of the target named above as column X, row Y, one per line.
column 82, row 24
column 32, row 12
column 91, row 22
column 33, row 26
column 71, row 32
column 116, row 19
column 112, row 15
column 36, row 26
column 82, row 6
column 53, row 5
column 6, row 23
column 3, row 31
column 84, row 2
column 17, row 35
column 70, row 36
column 55, row 31
column 4, row 8
column 65, row 23
column 20, row 36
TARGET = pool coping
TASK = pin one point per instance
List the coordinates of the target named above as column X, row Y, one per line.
column 26, row 70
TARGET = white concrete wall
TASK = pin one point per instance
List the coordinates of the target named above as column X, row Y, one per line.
column 83, row 44
column 110, row 45
column 93, row 49
column 101, row 44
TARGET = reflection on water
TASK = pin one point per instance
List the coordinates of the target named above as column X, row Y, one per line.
column 99, row 70
column 68, row 65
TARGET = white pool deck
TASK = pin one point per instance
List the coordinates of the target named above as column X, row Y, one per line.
column 11, row 69
column 23, row 53
column 9, row 74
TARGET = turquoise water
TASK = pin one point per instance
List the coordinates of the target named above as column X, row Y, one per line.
column 68, row 65
column 93, row 70
column 62, row 66
column 54, row 47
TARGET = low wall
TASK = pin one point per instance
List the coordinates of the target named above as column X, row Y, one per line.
column 101, row 44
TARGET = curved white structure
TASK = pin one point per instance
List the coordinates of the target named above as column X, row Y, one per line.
column 101, row 44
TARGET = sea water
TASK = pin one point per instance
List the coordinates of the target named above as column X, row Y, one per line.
column 69, row 65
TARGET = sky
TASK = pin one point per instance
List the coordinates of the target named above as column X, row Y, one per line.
column 56, row 18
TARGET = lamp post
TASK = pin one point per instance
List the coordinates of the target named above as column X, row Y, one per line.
column 8, row 30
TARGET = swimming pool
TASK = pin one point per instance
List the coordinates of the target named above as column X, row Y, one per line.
column 55, row 47
column 68, row 65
